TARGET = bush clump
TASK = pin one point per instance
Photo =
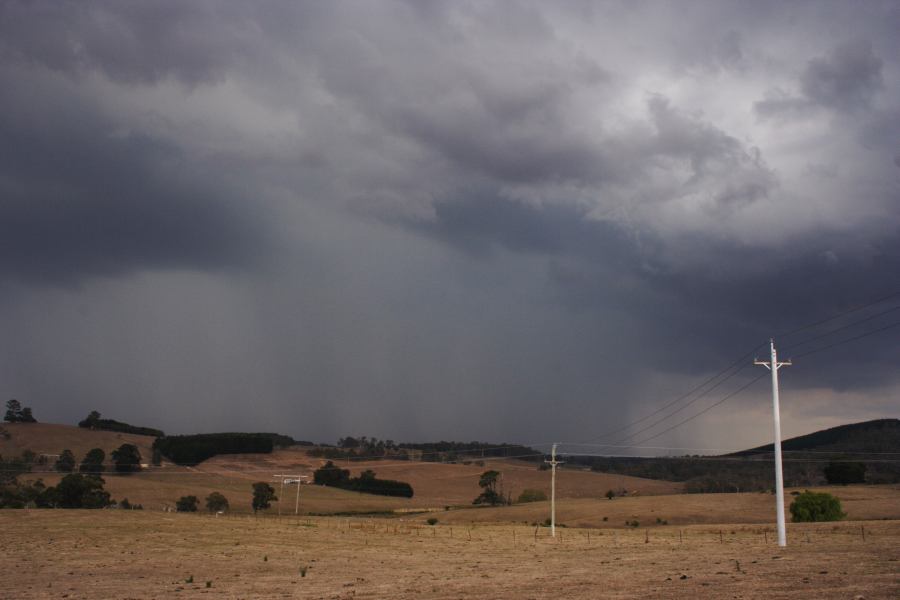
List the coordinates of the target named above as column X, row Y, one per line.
column 532, row 496
column 811, row 507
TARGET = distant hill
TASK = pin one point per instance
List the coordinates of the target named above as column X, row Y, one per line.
column 880, row 435
column 804, row 460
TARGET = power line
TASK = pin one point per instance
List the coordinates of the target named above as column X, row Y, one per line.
column 839, row 315
column 682, row 397
column 852, row 339
column 705, row 410
column 847, row 326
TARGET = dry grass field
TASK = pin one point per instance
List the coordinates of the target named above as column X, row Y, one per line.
column 144, row 555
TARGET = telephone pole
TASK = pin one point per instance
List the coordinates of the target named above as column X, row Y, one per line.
column 553, row 462
column 773, row 365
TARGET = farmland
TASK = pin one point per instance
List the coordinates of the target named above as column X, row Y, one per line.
column 649, row 541
column 150, row 554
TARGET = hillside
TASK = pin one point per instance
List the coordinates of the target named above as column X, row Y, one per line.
column 49, row 438
column 880, row 435
column 874, row 443
column 436, row 485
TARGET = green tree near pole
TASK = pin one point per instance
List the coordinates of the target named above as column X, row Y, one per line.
column 263, row 496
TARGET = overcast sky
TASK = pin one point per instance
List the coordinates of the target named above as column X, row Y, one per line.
column 503, row 221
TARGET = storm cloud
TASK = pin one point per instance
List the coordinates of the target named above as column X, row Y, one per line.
column 508, row 221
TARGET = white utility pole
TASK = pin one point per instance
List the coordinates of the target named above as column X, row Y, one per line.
column 553, row 462
column 773, row 365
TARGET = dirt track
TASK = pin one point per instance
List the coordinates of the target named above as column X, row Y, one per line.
column 118, row 554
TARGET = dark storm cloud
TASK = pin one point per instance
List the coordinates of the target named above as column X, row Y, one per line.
column 82, row 198
column 439, row 210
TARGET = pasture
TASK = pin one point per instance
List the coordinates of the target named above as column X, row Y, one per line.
column 150, row 554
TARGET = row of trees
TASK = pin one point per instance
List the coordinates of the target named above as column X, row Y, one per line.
column 95, row 421
column 194, row 449
column 263, row 496
column 333, row 476
column 126, row 459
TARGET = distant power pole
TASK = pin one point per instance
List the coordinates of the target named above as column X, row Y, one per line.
column 773, row 365
column 290, row 479
column 553, row 462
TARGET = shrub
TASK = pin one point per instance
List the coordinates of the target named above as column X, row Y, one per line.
column 187, row 504
column 532, row 496
column 432, row 521
column 610, row 494
column 810, row 507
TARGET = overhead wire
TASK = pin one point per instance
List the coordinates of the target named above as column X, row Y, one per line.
column 839, row 315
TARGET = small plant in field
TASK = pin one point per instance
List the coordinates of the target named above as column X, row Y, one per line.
column 190, row 579
column 610, row 495
column 209, row 584
column 634, row 523
column 303, row 571
column 606, row 518
column 432, row 521
column 265, row 558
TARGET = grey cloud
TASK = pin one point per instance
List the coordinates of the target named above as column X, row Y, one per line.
column 846, row 80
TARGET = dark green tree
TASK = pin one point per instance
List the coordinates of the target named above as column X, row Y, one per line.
column 811, row 507
column 187, row 504
column 78, row 491
column 216, row 502
column 842, row 473
column 488, row 483
column 26, row 416
column 263, row 496
column 331, row 475
column 91, row 420
column 66, row 462
column 127, row 458
column 13, row 411
column 93, row 461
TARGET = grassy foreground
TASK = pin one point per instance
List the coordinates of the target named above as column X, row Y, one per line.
column 149, row 554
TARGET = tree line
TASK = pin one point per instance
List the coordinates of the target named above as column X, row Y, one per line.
column 367, row 483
